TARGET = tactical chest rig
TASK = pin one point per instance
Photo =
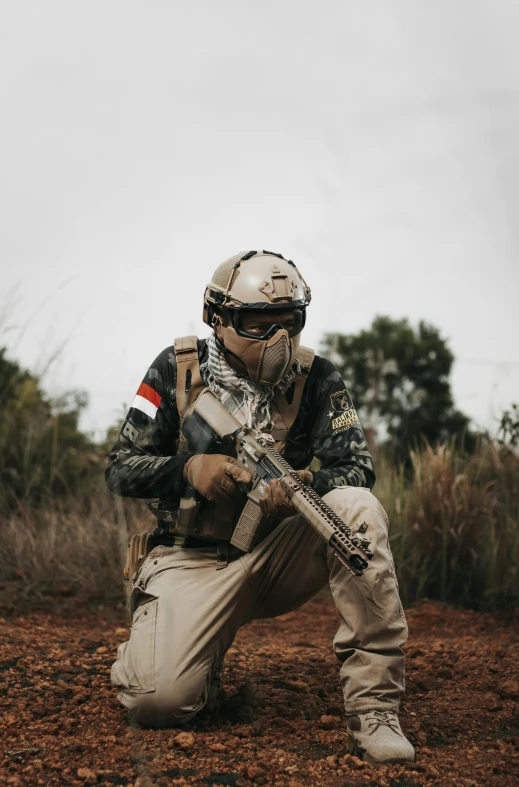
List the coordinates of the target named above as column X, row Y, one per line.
column 216, row 521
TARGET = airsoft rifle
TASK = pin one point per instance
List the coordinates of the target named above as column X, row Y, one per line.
column 208, row 425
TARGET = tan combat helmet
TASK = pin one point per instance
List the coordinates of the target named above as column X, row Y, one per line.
column 258, row 281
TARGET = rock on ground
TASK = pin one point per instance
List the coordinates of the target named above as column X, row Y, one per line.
column 280, row 720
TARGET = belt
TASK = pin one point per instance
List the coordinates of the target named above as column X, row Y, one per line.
column 190, row 542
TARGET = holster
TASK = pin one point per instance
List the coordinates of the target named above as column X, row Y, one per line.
column 139, row 548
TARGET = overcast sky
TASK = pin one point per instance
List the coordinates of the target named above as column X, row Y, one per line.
column 375, row 143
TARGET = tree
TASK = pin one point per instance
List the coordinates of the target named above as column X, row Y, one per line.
column 508, row 433
column 42, row 450
column 398, row 378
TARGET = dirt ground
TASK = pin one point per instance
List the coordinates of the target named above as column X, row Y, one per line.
column 281, row 719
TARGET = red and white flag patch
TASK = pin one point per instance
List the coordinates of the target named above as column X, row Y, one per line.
column 147, row 400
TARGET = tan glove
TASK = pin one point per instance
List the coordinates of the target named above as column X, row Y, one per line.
column 215, row 476
column 275, row 503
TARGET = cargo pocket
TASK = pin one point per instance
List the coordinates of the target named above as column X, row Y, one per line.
column 134, row 670
column 386, row 598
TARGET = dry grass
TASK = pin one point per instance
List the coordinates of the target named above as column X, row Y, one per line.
column 454, row 526
column 67, row 548
column 454, row 534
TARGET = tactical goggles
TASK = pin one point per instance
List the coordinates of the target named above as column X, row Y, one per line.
column 243, row 320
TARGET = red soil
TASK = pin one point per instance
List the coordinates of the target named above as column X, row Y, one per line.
column 281, row 720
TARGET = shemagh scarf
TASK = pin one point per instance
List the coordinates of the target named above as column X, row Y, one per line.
column 249, row 402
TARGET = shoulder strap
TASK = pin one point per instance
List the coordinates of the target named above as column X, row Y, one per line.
column 305, row 356
column 288, row 404
column 189, row 381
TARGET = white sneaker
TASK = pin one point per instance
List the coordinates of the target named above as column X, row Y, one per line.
column 377, row 738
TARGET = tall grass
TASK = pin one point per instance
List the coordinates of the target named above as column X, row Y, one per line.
column 61, row 532
column 453, row 530
column 454, row 517
column 67, row 547
column 455, row 524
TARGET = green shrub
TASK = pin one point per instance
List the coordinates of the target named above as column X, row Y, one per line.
column 42, row 450
column 61, row 532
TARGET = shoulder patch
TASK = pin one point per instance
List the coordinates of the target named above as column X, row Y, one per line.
column 147, row 400
column 345, row 420
column 341, row 401
column 343, row 414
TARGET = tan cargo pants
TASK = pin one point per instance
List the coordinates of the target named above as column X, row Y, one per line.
column 188, row 614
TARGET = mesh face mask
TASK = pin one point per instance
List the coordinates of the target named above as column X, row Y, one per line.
column 266, row 360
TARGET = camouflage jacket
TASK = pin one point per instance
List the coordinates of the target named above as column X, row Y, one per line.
column 141, row 463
